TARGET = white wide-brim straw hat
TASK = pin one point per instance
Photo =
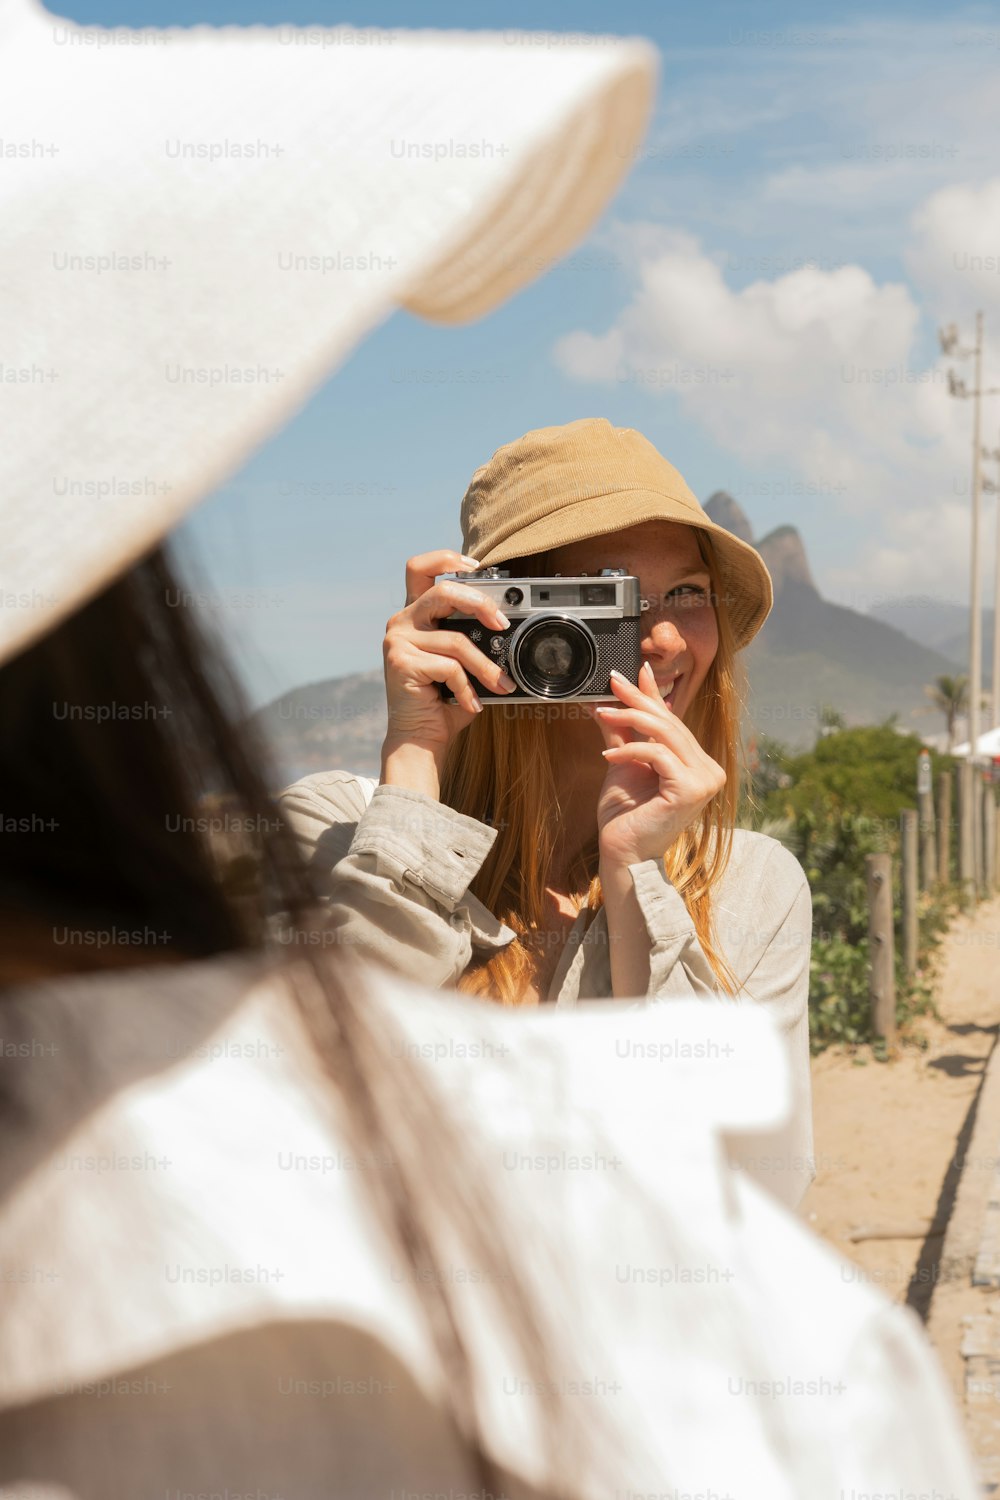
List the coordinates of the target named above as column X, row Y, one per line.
column 198, row 225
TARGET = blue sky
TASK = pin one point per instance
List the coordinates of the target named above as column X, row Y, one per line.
column 819, row 190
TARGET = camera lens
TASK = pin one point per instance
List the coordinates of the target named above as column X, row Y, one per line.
column 553, row 656
column 513, row 596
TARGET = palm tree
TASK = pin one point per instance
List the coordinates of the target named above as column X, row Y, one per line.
column 949, row 696
column 830, row 720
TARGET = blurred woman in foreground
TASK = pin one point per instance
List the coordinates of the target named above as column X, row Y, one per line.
column 289, row 1226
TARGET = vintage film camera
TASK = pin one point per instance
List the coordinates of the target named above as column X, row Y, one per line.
column 565, row 636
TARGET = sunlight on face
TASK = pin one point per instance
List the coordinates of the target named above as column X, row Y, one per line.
column 679, row 630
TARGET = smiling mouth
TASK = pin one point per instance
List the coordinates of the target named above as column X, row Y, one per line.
column 671, row 696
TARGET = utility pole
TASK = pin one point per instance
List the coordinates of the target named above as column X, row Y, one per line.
column 950, row 346
column 992, row 487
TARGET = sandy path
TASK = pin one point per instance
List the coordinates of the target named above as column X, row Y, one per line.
column 886, row 1132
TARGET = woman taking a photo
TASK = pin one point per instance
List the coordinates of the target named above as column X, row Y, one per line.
column 576, row 853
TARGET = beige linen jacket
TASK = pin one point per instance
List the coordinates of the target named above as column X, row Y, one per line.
column 395, row 867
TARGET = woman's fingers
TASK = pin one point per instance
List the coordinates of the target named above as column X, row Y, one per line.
column 649, row 684
column 453, row 643
column 422, row 570
column 429, row 667
column 628, row 692
column 611, row 735
column 416, row 630
column 661, row 759
column 445, row 599
column 644, row 753
column 662, row 726
column 414, row 669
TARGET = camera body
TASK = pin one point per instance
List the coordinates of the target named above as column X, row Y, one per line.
column 565, row 635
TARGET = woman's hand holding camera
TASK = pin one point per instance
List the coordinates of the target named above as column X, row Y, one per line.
column 418, row 655
column 659, row 778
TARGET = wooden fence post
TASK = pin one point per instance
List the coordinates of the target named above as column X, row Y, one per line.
column 882, row 966
column 977, row 831
column 989, row 841
column 966, row 866
column 909, row 854
column 928, row 841
column 944, row 827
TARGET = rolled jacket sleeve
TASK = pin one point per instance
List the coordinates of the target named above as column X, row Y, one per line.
column 676, row 959
column 777, row 946
column 399, row 889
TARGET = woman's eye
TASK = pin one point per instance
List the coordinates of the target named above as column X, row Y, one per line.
column 694, row 587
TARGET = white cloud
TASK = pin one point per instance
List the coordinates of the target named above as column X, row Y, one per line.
column 818, row 373
column 780, row 370
column 956, row 253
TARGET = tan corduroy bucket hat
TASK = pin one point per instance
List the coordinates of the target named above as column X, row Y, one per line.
column 564, row 484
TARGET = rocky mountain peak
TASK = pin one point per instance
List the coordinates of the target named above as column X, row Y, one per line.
column 725, row 511
column 785, row 555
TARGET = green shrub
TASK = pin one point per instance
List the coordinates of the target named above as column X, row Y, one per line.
column 833, row 806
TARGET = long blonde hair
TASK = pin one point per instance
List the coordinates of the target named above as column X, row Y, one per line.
column 500, row 770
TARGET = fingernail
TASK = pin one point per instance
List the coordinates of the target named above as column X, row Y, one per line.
column 505, row 623
column 473, row 560
column 507, row 683
column 620, row 675
column 476, row 704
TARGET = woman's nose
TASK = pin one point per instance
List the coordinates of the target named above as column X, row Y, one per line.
column 661, row 638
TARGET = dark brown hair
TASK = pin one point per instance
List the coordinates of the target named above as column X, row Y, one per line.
column 118, row 725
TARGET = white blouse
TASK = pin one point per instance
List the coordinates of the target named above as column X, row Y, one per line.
column 198, row 1299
